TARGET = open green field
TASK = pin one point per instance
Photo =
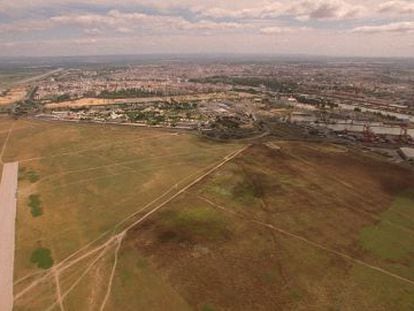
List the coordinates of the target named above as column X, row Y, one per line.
column 310, row 227
column 77, row 182
column 307, row 227
column 8, row 77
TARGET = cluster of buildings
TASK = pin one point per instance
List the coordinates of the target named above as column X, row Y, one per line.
column 75, row 84
column 358, row 102
column 199, row 111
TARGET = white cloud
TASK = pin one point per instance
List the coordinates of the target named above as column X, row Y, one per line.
column 80, row 26
column 25, row 26
column 397, row 7
column 129, row 22
column 301, row 10
column 275, row 30
column 209, row 25
column 399, row 27
column 124, row 30
column 325, row 10
column 92, row 31
column 314, row 42
column 271, row 10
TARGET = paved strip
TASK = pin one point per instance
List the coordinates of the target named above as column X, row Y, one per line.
column 8, row 189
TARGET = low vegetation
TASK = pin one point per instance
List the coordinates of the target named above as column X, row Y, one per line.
column 192, row 225
column 30, row 175
column 92, row 178
column 254, row 264
column 129, row 93
column 392, row 242
column 35, row 205
column 42, row 257
column 306, row 224
column 273, row 83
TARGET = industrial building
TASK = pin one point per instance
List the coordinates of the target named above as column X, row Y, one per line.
column 407, row 153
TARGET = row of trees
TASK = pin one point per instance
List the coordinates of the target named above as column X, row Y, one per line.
column 129, row 93
column 270, row 83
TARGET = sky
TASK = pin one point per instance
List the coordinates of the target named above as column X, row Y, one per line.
column 370, row 28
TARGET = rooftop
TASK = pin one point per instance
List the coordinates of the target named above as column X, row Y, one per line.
column 408, row 152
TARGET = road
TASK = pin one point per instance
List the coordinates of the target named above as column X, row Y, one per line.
column 39, row 77
column 8, row 189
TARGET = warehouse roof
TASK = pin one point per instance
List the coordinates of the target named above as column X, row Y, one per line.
column 408, row 153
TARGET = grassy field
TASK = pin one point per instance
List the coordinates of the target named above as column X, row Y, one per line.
column 10, row 76
column 77, row 182
column 310, row 227
column 306, row 227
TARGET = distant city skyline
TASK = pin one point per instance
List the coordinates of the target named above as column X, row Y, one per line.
column 370, row 28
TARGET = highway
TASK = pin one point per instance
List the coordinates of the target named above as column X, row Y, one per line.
column 39, row 77
column 8, row 189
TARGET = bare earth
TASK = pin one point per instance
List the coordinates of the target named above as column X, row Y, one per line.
column 86, row 102
column 14, row 95
column 8, row 188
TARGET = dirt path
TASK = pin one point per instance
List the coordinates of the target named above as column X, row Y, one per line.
column 58, row 290
column 65, row 264
column 8, row 188
column 68, row 261
column 111, row 279
column 78, row 280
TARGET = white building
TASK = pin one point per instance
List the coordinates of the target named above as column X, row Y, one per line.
column 407, row 153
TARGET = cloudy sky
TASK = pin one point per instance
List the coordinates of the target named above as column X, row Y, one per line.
column 318, row 27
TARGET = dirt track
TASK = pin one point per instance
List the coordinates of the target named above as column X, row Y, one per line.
column 8, row 188
column 65, row 264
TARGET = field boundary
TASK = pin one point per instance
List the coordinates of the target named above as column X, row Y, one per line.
column 3, row 148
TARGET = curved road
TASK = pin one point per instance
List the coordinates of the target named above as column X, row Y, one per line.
column 8, row 189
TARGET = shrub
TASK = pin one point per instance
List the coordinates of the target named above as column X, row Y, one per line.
column 42, row 257
column 34, row 204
